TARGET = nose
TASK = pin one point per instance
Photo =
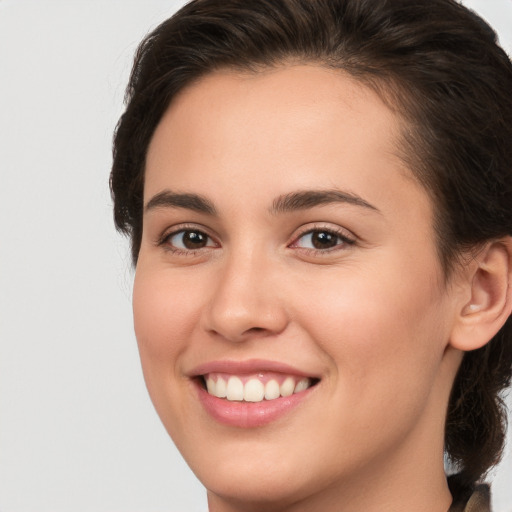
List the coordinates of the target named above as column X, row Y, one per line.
column 245, row 302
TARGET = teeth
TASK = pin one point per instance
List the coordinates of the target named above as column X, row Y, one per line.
column 235, row 389
column 272, row 390
column 220, row 389
column 254, row 390
column 287, row 387
column 302, row 385
column 210, row 386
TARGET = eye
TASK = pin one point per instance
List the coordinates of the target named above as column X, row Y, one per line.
column 188, row 240
column 322, row 240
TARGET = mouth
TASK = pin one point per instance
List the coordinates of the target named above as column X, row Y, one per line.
column 254, row 388
column 252, row 393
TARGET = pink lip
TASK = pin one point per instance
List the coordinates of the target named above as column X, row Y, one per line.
column 248, row 414
column 247, row 367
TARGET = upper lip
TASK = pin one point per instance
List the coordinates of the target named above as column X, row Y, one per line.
column 247, row 367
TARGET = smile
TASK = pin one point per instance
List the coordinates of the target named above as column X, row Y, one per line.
column 253, row 393
column 255, row 388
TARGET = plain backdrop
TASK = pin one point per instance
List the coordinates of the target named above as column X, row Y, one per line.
column 77, row 430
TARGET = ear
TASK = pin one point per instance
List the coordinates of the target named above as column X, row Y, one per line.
column 488, row 278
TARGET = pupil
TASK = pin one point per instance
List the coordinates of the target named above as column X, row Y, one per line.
column 323, row 240
column 194, row 240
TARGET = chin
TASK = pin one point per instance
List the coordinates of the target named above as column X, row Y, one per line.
column 261, row 474
column 261, row 488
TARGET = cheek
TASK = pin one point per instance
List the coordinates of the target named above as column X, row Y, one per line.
column 385, row 343
column 165, row 312
column 383, row 328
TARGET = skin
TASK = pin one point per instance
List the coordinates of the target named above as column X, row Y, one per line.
column 373, row 319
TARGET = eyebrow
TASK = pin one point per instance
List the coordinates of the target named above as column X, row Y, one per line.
column 300, row 200
column 168, row 199
column 305, row 199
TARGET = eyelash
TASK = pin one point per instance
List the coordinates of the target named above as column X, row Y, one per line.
column 165, row 241
column 342, row 240
column 342, row 237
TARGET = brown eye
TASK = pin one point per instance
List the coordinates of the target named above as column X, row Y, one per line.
column 189, row 240
column 321, row 239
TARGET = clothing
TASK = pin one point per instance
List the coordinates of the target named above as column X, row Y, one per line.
column 479, row 501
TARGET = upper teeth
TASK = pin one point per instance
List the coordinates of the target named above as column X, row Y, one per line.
column 254, row 390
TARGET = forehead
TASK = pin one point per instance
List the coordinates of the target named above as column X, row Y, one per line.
column 298, row 126
column 275, row 105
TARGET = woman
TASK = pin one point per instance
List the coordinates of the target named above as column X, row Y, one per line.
column 318, row 195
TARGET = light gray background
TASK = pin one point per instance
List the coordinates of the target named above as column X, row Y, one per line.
column 77, row 430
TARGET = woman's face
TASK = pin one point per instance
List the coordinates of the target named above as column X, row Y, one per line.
column 286, row 247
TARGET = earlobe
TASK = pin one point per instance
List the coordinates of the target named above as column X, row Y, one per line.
column 490, row 281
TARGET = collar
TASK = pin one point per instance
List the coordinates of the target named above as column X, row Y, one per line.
column 479, row 501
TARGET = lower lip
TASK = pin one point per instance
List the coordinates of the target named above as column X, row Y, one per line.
column 249, row 414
